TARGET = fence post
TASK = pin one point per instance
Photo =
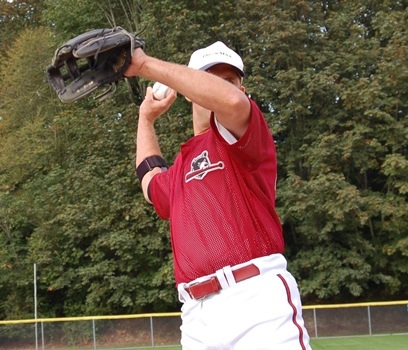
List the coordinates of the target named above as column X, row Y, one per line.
column 369, row 320
column 42, row 335
column 315, row 322
column 94, row 333
column 35, row 306
column 152, row 330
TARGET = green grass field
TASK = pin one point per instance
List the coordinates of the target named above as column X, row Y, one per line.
column 381, row 342
column 386, row 342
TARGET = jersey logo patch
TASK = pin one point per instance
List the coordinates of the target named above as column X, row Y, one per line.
column 201, row 166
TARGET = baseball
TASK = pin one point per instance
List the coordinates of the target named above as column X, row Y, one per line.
column 160, row 91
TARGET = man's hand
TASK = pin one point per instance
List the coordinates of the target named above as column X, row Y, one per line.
column 151, row 108
column 136, row 64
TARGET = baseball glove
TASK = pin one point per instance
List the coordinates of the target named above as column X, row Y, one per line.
column 90, row 61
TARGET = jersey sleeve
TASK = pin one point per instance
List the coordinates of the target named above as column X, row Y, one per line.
column 160, row 190
column 255, row 145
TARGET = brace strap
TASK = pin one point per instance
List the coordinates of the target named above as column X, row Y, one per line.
column 148, row 164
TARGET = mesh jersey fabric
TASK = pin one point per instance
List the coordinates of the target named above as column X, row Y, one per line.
column 220, row 200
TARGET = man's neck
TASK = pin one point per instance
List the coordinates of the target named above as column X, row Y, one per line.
column 201, row 120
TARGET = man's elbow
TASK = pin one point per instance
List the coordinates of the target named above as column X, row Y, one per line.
column 146, row 183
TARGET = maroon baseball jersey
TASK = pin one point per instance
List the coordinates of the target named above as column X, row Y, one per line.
column 220, row 199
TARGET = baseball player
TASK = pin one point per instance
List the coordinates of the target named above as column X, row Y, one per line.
column 219, row 196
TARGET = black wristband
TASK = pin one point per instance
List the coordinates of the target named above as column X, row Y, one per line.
column 149, row 164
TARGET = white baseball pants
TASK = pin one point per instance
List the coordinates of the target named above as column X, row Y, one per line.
column 261, row 313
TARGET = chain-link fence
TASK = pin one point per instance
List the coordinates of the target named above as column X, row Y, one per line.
column 155, row 330
column 356, row 319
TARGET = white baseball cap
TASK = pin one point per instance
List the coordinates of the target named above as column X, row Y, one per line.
column 216, row 53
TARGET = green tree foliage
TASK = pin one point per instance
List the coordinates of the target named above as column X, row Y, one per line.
column 99, row 243
column 27, row 134
column 15, row 16
column 70, row 18
column 335, row 119
column 27, row 149
column 331, row 78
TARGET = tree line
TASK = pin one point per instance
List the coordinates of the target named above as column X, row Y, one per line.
column 332, row 80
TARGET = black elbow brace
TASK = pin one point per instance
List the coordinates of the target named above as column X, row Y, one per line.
column 148, row 164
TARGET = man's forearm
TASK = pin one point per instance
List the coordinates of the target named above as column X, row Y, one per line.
column 146, row 146
column 229, row 103
column 146, row 141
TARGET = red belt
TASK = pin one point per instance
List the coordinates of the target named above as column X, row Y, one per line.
column 202, row 289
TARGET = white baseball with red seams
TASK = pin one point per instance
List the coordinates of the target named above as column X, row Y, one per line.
column 160, row 91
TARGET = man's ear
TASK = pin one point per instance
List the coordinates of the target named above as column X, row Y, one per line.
column 242, row 88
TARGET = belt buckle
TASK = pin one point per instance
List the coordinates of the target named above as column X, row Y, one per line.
column 214, row 284
column 190, row 291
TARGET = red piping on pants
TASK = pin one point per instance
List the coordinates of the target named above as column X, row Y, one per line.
column 294, row 311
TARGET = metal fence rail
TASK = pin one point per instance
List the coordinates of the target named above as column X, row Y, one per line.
column 163, row 329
